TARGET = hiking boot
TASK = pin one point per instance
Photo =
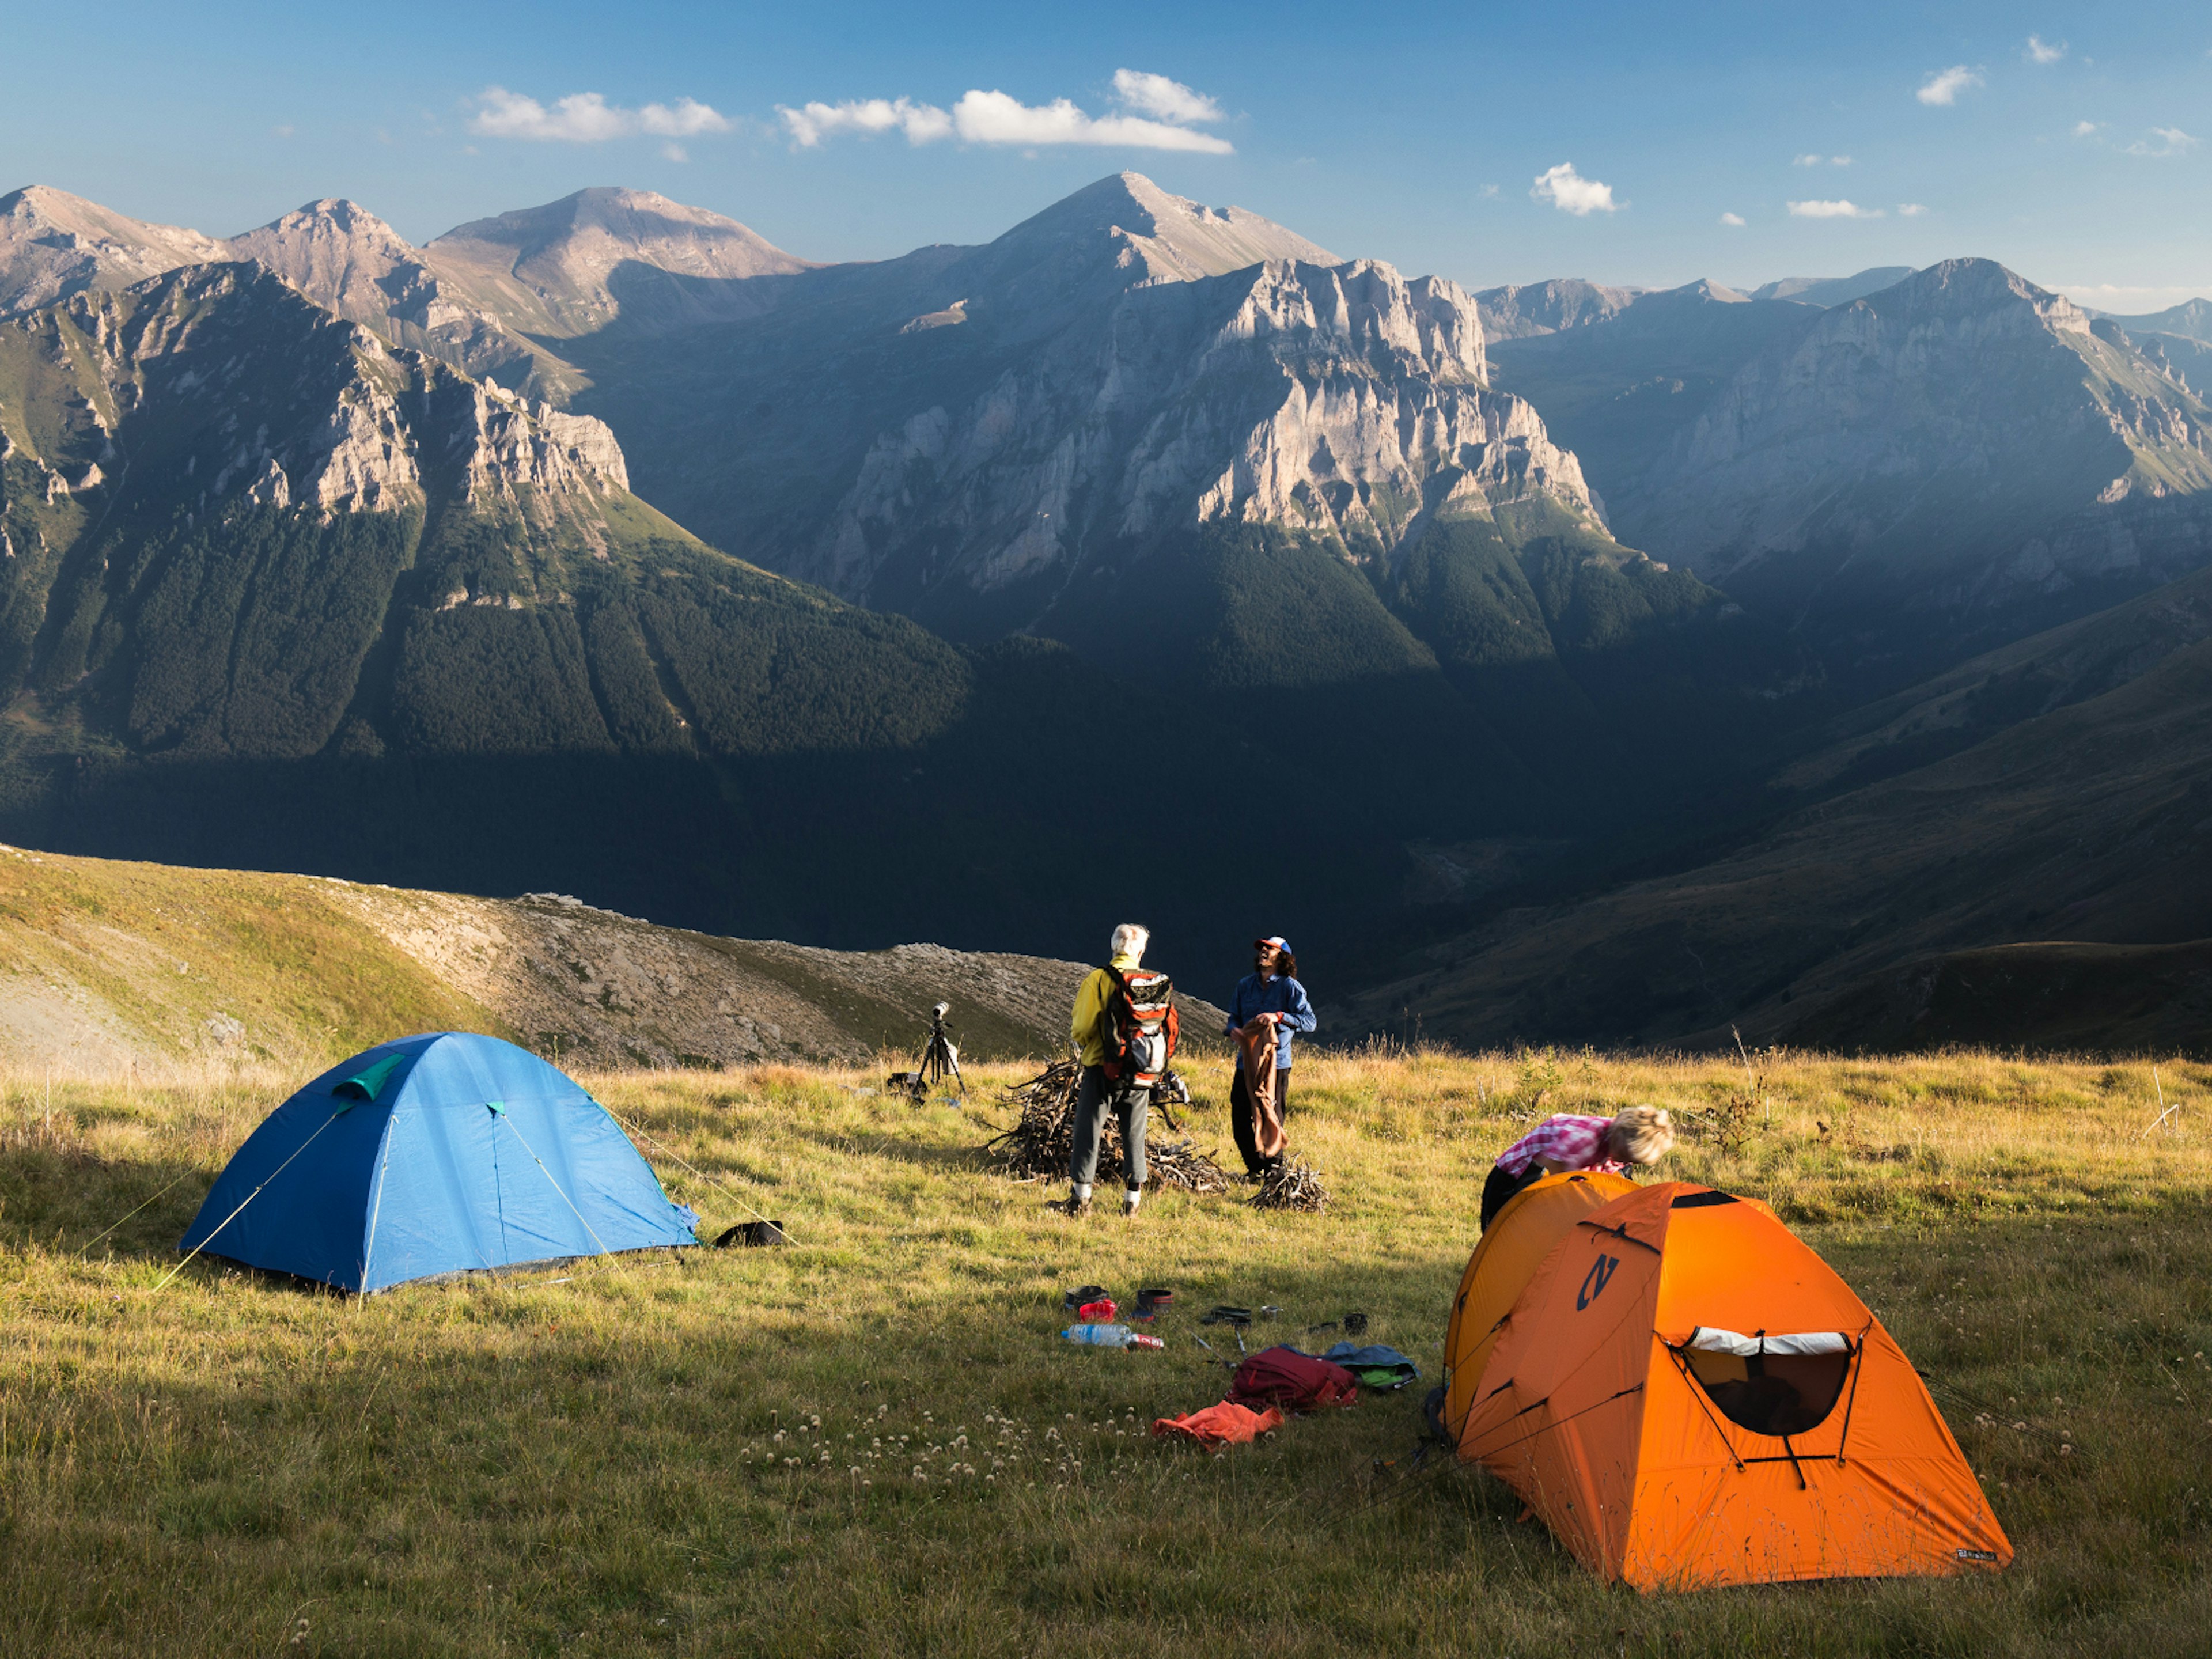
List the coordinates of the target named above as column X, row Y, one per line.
column 1076, row 1207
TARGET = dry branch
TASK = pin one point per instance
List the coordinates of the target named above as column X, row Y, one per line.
column 1044, row 1133
column 1291, row 1183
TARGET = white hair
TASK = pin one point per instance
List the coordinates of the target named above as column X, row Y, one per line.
column 1130, row 940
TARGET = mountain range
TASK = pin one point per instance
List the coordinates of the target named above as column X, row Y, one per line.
column 811, row 598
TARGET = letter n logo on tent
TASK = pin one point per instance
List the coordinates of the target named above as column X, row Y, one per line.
column 1595, row 1280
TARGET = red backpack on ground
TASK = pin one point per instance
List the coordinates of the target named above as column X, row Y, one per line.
column 1140, row 1027
column 1297, row 1381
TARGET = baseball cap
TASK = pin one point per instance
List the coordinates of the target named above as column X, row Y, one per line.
column 1278, row 941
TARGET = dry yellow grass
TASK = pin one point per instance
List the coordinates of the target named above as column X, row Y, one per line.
column 588, row 1461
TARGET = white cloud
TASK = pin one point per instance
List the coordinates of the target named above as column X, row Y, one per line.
column 1735, row 219
column 921, row 123
column 1911, row 209
column 1831, row 211
column 1486, row 193
column 1814, row 161
column 587, row 118
column 675, row 152
column 997, row 117
column 1569, row 191
column 1840, row 161
column 2173, row 140
column 1806, row 161
column 1170, row 100
column 1945, row 85
column 2083, row 129
column 2042, row 51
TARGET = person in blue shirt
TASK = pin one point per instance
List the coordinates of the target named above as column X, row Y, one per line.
column 1271, row 993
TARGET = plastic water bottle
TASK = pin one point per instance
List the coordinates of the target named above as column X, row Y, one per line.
column 1101, row 1336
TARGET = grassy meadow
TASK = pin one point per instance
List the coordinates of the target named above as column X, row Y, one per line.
column 875, row 1441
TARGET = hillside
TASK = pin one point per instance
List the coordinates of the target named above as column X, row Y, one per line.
column 1957, row 460
column 2086, row 824
column 106, row 964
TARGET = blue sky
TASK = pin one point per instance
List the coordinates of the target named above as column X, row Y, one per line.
column 2074, row 144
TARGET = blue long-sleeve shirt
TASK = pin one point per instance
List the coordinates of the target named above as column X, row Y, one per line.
column 1277, row 995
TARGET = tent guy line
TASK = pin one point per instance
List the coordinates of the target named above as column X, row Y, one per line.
column 113, row 1225
column 679, row 1157
column 247, row 1200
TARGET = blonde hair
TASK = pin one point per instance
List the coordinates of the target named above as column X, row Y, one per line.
column 1130, row 940
column 1641, row 1134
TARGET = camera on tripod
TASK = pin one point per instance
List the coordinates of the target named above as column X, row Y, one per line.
column 940, row 1058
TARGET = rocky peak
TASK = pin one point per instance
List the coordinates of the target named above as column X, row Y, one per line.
column 561, row 268
column 322, row 234
column 53, row 244
column 1832, row 290
column 1549, row 308
column 348, row 260
column 2191, row 319
column 1173, row 238
column 1963, row 288
column 1663, row 305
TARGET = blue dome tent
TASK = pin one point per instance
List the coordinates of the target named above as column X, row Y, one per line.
column 433, row 1154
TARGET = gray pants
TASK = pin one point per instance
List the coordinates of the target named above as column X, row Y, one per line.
column 1129, row 1111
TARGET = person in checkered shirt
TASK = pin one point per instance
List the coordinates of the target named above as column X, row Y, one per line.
column 1638, row 1135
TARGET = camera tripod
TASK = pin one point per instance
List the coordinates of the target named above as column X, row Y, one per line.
column 940, row 1059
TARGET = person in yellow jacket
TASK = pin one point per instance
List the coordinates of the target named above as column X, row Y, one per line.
column 1088, row 1026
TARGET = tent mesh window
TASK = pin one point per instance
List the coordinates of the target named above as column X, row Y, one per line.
column 1779, row 1386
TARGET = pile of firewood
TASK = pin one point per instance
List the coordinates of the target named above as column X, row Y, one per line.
column 1291, row 1183
column 1044, row 1133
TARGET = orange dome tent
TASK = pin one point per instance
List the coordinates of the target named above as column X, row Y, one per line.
column 1513, row 1245
column 1689, row 1396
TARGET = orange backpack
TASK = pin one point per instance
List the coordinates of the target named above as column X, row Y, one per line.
column 1141, row 1028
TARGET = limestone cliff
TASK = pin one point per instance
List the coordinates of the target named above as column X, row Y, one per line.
column 154, row 386
column 1342, row 399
